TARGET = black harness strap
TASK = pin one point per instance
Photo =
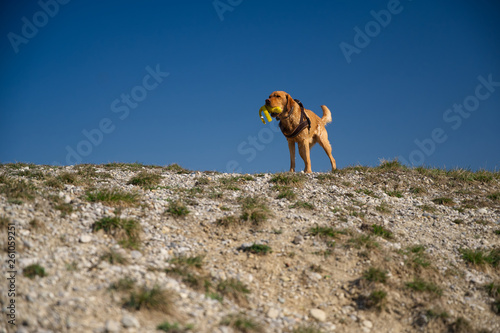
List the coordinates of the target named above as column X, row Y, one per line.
column 304, row 121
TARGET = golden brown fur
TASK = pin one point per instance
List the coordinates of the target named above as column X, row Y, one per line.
column 307, row 138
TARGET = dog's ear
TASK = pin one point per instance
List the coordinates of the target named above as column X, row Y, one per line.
column 289, row 102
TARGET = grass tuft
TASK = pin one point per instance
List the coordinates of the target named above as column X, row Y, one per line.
column 288, row 179
column 112, row 197
column 153, row 299
column 481, row 257
column 233, row 289
column 125, row 231
column 303, row 204
column 145, row 179
column 421, row 285
column 17, row 190
column 34, row 270
column 379, row 230
column 177, row 209
column 260, row 249
column 375, row 275
column 443, row 201
column 241, row 323
column 254, row 210
column 176, row 168
column 114, row 258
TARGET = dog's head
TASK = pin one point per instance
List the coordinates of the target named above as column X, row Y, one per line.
column 279, row 99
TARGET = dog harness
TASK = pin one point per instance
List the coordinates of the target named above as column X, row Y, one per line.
column 304, row 121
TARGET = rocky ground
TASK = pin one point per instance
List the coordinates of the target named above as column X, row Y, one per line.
column 134, row 248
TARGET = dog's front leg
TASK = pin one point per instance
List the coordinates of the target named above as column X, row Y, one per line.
column 291, row 147
column 304, row 153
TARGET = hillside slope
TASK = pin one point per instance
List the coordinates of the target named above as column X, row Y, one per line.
column 128, row 247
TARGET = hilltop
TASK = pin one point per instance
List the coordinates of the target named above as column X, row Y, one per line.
column 136, row 248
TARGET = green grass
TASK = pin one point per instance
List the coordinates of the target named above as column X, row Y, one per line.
column 379, row 230
column 383, row 208
column 417, row 257
column 363, row 241
column 188, row 261
column 391, row 165
column 145, row 179
column 260, row 249
column 173, row 328
column 374, row 274
column 176, row 168
column 254, row 210
column 394, row 193
column 177, row 209
column 461, row 325
column 417, row 190
column 433, row 314
column 153, row 299
column 428, row 208
column 241, row 323
column 125, row 231
column 443, row 201
column 421, row 285
column 376, row 299
column 288, row 179
column 495, row 196
column 285, row 192
column 481, row 257
column 113, row 197
column 493, row 289
column 114, row 258
column 18, row 190
column 4, row 222
column 34, row 270
column 233, row 289
column 69, row 178
column 123, row 285
column 231, row 183
column 303, row 204
column 326, row 232
column 228, row 221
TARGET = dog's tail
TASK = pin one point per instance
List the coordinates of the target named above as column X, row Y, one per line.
column 327, row 115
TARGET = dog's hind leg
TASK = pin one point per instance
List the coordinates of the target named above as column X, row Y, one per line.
column 323, row 141
column 291, row 147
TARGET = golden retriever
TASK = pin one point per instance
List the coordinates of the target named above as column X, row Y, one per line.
column 301, row 126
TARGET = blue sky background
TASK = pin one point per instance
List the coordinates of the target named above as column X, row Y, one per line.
column 205, row 113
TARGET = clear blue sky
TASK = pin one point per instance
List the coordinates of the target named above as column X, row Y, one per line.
column 75, row 67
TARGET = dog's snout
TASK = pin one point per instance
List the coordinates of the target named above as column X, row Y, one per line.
column 268, row 102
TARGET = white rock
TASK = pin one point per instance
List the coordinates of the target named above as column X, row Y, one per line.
column 367, row 323
column 85, row 238
column 112, row 326
column 135, row 254
column 130, row 321
column 318, row 314
column 273, row 313
column 67, row 199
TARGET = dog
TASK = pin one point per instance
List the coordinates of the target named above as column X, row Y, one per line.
column 301, row 126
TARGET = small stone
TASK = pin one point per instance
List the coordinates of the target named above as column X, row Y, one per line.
column 85, row 238
column 130, row 321
column 135, row 254
column 482, row 211
column 298, row 240
column 318, row 314
column 67, row 199
column 112, row 326
column 273, row 313
column 367, row 323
